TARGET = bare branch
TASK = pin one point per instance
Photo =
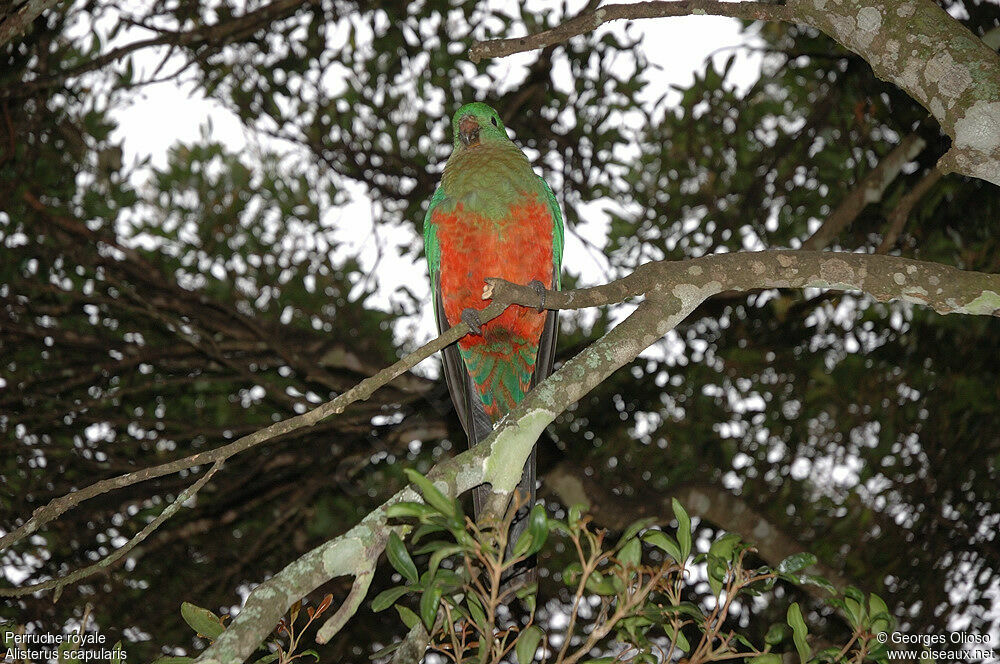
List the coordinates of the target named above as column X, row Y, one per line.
column 899, row 214
column 869, row 190
column 359, row 392
column 751, row 11
column 216, row 34
column 117, row 554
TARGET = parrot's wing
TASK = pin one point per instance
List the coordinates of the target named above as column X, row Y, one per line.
column 464, row 395
column 557, row 233
column 468, row 405
column 547, row 344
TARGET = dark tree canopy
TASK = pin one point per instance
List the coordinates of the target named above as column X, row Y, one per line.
column 149, row 313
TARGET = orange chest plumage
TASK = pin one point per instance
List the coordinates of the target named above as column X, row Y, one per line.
column 516, row 247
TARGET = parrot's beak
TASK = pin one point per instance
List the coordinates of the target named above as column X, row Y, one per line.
column 468, row 130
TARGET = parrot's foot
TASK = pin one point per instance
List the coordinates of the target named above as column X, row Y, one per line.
column 471, row 318
column 539, row 288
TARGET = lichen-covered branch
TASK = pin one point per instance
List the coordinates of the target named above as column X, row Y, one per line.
column 912, row 43
column 18, row 16
column 945, row 289
column 672, row 291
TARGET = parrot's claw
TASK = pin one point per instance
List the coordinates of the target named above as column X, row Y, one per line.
column 539, row 288
column 471, row 318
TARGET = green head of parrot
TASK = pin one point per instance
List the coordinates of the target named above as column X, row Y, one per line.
column 477, row 124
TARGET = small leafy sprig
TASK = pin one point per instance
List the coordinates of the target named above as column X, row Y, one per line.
column 638, row 585
column 281, row 648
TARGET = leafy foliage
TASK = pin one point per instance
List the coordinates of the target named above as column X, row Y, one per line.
column 628, row 597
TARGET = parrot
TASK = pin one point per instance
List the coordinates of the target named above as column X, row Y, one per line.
column 493, row 216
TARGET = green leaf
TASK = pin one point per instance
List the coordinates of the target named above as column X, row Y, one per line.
column 830, row 655
column 534, row 536
column 881, row 618
column 571, row 574
column 429, row 602
column 631, row 553
column 776, row 634
column 441, row 554
column 431, row 494
column 796, row 562
column 683, row 530
column 664, row 542
column 816, row 580
column 116, row 654
column 634, row 529
column 717, row 569
column 677, row 636
column 400, row 559
column 426, row 529
column 408, row 617
column 854, row 611
column 267, row 659
column 724, row 546
column 407, row 510
column 476, row 611
column 527, row 644
column 767, row 658
column 202, row 620
column 174, row 660
column 387, row 598
column 597, row 584
column 799, row 631
column 684, row 608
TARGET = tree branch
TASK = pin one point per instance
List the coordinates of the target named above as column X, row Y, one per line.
column 17, row 21
column 943, row 288
column 217, row 34
column 899, row 214
column 117, row 554
column 869, row 190
column 912, row 43
column 751, row 11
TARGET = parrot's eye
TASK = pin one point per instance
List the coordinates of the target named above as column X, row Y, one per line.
column 494, row 121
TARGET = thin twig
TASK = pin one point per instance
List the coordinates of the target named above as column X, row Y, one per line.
column 751, row 11
column 114, row 557
column 900, row 214
column 869, row 190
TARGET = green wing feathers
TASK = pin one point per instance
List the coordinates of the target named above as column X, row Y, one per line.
column 557, row 232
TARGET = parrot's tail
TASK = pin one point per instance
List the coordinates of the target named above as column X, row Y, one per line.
column 526, row 571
